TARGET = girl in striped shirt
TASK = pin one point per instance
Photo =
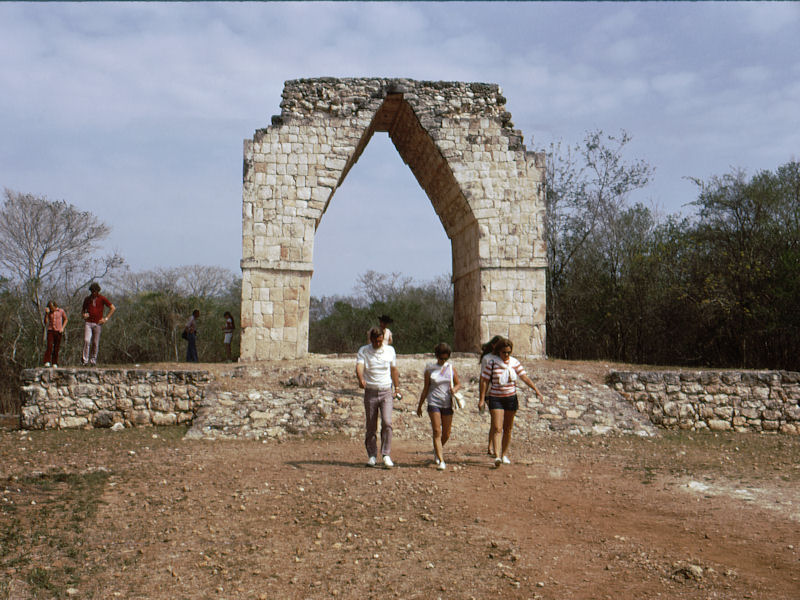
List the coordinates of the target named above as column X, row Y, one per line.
column 498, row 389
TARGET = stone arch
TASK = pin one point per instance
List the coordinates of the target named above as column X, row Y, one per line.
column 459, row 142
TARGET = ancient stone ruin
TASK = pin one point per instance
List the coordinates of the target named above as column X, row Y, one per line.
column 459, row 142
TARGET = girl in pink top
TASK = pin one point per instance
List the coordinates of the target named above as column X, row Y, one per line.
column 498, row 389
column 55, row 320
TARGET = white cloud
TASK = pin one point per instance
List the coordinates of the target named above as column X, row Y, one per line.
column 675, row 84
column 768, row 18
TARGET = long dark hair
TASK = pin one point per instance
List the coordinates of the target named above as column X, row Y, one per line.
column 488, row 347
column 228, row 314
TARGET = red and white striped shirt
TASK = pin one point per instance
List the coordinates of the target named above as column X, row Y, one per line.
column 492, row 370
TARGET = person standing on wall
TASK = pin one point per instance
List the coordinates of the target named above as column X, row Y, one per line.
column 55, row 320
column 191, row 337
column 228, row 328
column 93, row 308
column 383, row 322
column 376, row 370
column 500, row 372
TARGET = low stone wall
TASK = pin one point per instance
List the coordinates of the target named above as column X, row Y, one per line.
column 719, row 401
column 318, row 399
column 75, row 398
column 276, row 402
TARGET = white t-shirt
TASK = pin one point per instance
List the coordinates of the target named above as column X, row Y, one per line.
column 377, row 365
column 439, row 389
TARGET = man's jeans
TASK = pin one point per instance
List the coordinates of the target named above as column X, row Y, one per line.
column 378, row 401
column 91, row 342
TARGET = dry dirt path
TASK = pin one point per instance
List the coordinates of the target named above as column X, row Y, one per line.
column 146, row 514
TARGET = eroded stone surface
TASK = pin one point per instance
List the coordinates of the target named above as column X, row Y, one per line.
column 714, row 400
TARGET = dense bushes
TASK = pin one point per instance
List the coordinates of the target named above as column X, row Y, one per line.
column 422, row 313
column 720, row 287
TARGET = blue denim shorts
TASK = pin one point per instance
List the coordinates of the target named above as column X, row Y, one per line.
column 504, row 403
column 444, row 411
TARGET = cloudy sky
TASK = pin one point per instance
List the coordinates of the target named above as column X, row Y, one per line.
column 137, row 111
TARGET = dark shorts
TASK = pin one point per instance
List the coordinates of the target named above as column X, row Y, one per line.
column 504, row 403
column 444, row 411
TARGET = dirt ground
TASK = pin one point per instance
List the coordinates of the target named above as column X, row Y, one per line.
column 146, row 514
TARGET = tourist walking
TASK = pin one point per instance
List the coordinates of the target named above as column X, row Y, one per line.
column 228, row 328
column 94, row 306
column 500, row 372
column 487, row 352
column 55, row 320
column 440, row 383
column 191, row 337
column 376, row 370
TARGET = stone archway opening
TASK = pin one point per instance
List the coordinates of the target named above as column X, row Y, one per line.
column 459, row 143
column 380, row 193
column 432, row 172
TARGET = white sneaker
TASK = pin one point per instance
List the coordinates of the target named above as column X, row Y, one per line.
column 387, row 462
column 498, row 461
column 46, row 364
column 435, row 459
column 441, row 466
column 372, row 461
column 55, row 366
column 506, row 461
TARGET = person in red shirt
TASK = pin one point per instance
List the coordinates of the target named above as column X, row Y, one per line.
column 93, row 307
column 55, row 320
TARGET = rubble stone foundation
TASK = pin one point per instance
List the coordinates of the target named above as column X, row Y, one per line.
column 715, row 400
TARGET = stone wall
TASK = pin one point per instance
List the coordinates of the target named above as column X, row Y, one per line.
column 85, row 398
column 719, row 401
column 272, row 403
column 298, row 398
column 458, row 140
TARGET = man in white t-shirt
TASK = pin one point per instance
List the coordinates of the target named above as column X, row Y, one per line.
column 376, row 369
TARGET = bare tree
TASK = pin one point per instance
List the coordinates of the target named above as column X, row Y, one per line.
column 50, row 246
column 197, row 281
column 587, row 189
column 381, row 287
column 204, row 281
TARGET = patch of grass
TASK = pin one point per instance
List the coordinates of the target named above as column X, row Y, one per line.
column 50, row 511
column 39, row 579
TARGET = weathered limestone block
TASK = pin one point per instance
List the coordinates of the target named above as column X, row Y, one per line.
column 67, row 422
column 162, row 418
column 103, row 419
column 719, row 425
column 139, row 417
column 724, row 412
column 85, row 406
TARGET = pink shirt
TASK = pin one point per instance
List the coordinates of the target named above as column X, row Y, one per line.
column 55, row 319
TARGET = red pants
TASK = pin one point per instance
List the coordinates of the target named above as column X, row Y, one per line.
column 53, row 344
